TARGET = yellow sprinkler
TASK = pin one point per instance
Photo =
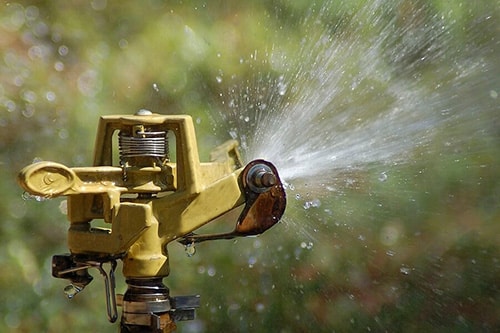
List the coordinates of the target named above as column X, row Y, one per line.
column 148, row 184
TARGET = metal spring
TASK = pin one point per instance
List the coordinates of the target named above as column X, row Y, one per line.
column 144, row 144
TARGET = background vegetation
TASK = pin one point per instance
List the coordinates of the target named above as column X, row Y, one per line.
column 428, row 261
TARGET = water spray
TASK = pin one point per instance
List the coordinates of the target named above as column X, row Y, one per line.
column 150, row 198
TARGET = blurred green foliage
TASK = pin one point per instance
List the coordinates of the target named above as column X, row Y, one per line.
column 417, row 252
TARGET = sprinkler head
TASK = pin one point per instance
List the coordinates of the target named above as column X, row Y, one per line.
column 265, row 202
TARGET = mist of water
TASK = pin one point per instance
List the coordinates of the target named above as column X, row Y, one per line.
column 366, row 90
column 371, row 92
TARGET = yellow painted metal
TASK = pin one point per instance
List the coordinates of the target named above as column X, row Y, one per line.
column 147, row 206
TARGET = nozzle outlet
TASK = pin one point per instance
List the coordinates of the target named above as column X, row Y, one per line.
column 260, row 178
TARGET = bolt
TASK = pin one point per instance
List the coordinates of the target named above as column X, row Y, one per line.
column 267, row 179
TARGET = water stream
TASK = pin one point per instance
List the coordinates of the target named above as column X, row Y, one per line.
column 385, row 130
column 377, row 94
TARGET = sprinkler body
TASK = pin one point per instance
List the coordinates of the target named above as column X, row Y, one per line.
column 150, row 192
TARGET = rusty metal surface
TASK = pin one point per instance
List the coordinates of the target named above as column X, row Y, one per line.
column 262, row 210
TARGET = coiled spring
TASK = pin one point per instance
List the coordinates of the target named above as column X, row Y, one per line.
column 143, row 144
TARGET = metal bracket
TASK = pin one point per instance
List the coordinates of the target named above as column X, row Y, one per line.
column 75, row 270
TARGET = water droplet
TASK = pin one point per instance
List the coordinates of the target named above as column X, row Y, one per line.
column 251, row 261
column 282, row 86
column 155, row 87
column 59, row 66
column 382, row 177
column 405, row 270
column 27, row 196
column 211, row 271
column 190, row 250
column 314, row 203
column 10, row 105
column 63, row 207
column 71, row 291
column 260, row 307
column 63, row 50
column 143, row 112
column 390, row 253
column 29, row 111
column 308, row 245
column 218, row 79
column 50, row 96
